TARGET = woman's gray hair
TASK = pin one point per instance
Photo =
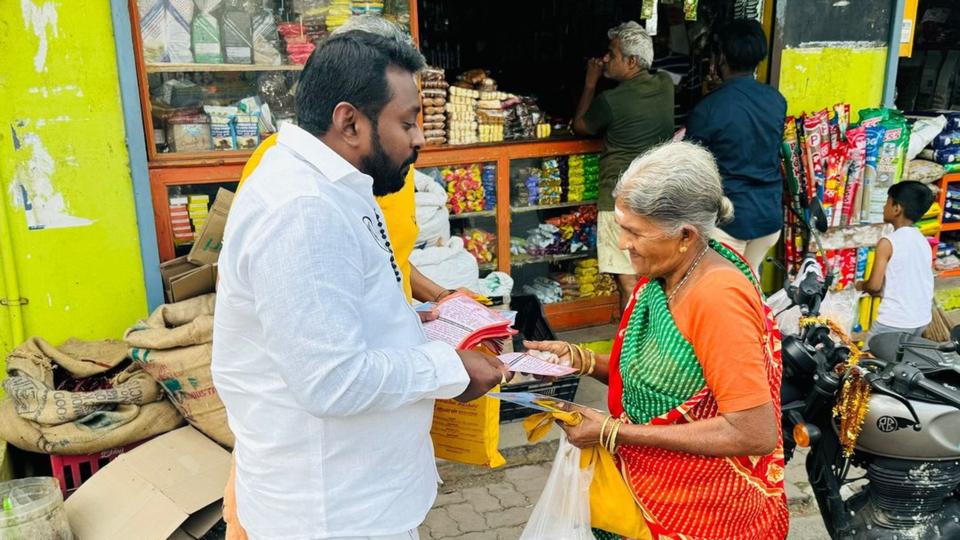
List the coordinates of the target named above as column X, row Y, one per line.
column 634, row 41
column 676, row 184
column 373, row 24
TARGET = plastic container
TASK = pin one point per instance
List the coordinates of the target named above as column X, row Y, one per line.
column 533, row 326
column 72, row 471
column 32, row 509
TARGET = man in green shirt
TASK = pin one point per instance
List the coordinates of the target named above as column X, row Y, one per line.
column 633, row 117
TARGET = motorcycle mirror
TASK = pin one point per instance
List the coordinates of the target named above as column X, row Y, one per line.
column 955, row 336
column 817, row 216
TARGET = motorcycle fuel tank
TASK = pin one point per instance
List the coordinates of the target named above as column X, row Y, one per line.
column 889, row 430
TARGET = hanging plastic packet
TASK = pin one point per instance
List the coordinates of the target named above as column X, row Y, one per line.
column 814, row 157
column 874, row 140
column 896, row 139
column 873, row 116
column 843, row 118
column 690, row 9
column 856, row 155
column 833, row 128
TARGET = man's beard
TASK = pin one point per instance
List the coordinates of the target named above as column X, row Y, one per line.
column 387, row 176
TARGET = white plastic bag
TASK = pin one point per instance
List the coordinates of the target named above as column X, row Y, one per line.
column 838, row 306
column 924, row 131
column 450, row 265
column 495, row 284
column 563, row 511
column 432, row 214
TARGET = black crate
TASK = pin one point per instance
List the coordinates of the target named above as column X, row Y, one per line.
column 533, row 326
column 531, row 323
column 565, row 388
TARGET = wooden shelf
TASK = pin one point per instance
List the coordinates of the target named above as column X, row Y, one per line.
column 582, row 312
column 436, row 156
column 179, row 68
column 554, row 258
column 520, row 209
column 948, row 273
column 950, row 226
column 468, row 215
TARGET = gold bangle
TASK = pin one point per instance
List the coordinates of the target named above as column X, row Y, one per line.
column 593, row 361
column 570, row 354
column 612, row 441
column 583, row 365
column 603, row 426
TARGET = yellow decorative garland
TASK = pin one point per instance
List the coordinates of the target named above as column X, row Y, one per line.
column 852, row 405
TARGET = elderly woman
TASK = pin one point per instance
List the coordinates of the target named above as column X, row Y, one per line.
column 694, row 376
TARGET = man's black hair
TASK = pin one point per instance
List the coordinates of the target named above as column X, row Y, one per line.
column 350, row 67
column 914, row 197
column 743, row 44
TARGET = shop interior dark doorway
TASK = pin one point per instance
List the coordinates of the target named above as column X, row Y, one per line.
column 541, row 48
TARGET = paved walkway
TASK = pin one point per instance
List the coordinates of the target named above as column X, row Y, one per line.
column 495, row 505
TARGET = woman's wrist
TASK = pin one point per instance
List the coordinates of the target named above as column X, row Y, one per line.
column 441, row 294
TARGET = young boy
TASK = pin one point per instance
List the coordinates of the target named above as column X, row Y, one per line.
column 902, row 270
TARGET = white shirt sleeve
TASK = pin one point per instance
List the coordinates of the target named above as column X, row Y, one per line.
column 306, row 272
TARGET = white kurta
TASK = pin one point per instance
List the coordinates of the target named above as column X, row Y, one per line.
column 326, row 374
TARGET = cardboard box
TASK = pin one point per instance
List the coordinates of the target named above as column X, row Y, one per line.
column 183, row 279
column 206, row 249
column 169, row 487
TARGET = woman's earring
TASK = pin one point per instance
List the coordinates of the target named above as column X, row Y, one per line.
column 683, row 249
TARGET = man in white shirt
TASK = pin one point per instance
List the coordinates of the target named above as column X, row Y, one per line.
column 325, row 371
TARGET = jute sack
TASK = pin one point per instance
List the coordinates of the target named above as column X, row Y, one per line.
column 37, row 417
column 175, row 346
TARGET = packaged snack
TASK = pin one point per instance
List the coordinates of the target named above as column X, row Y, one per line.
column 946, row 140
column 874, row 140
column 266, row 45
column 856, row 160
column 237, row 37
column 247, row 129
column 188, row 133
column 205, row 33
column 221, row 127
column 165, row 28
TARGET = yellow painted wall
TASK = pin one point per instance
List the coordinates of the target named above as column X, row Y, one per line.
column 74, row 235
column 814, row 78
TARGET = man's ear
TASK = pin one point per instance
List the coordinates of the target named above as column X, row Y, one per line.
column 346, row 119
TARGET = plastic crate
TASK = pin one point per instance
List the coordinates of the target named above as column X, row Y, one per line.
column 72, row 471
column 565, row 388
column 533, row 326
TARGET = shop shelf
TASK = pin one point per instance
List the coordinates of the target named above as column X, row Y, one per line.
column 519, row 209
column 178, row 68
column 468, row 215
column 950, row 226
column 582, row 312
column 552, row 258
column 949, row 273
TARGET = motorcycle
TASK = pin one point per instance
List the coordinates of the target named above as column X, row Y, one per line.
column 909, row 446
